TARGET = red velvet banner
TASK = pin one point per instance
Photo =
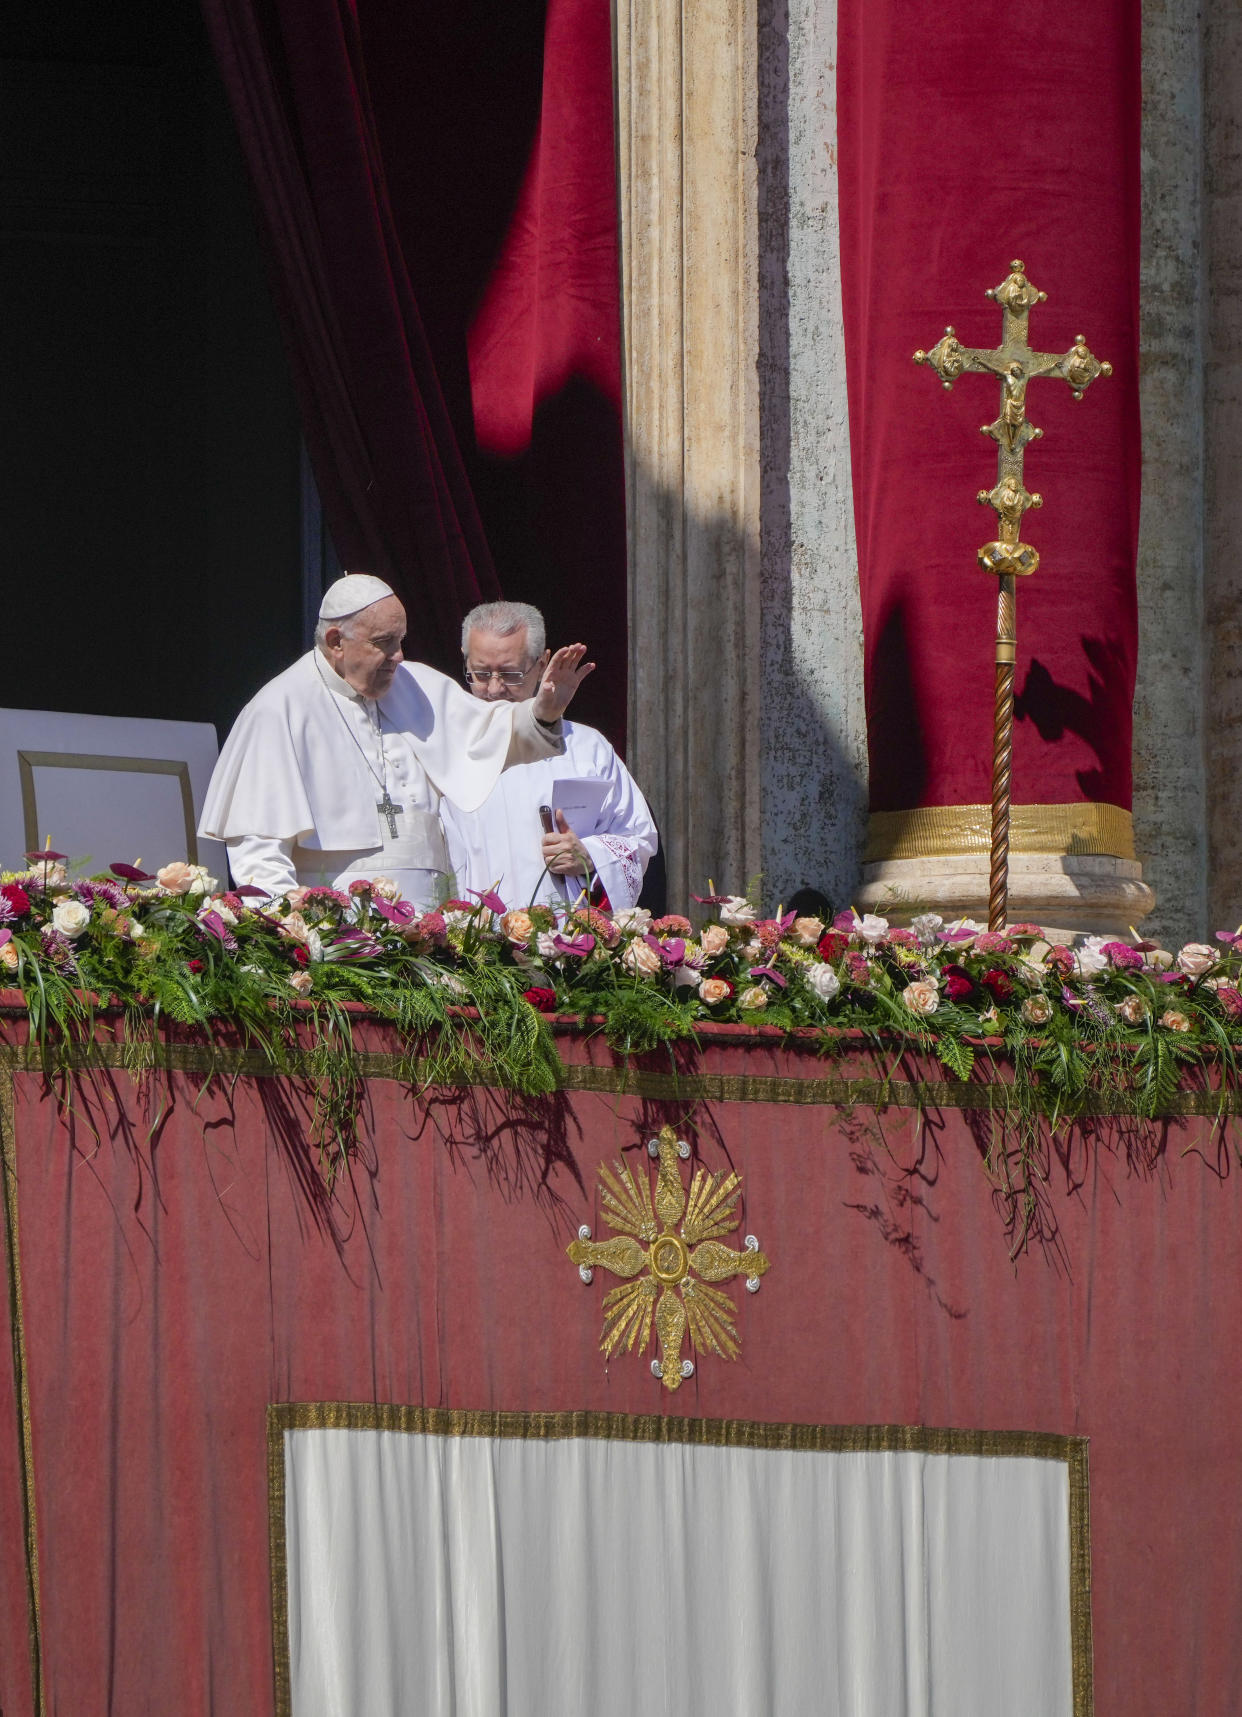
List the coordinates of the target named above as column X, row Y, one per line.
column 181, row 1267
column 969, row 137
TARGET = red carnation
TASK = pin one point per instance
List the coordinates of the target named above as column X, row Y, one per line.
column 15, row 898
column 544, row 1000
column 300, row 955
column 194, row 966
column 998, row 983
column 832, row 945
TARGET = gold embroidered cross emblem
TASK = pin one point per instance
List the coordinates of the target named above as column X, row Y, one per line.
column 667, row 1280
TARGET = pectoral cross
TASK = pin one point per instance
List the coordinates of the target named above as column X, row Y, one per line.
column 390, row 812
column 1014, row 364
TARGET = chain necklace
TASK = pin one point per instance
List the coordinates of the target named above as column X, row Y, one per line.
column 386, row 806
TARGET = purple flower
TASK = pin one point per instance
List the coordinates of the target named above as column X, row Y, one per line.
column 215, row 926
column 672, row 952
column 110, row 893
column 578, row 946
column 845, row 921
column 1073, row 1002
column 394, row 911
column 489, row 898
column 130, row 873
column 769, row 972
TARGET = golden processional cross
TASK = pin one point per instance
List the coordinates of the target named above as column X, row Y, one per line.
column 1014, row 364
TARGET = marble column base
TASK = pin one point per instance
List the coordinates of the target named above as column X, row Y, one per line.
column 1068, row 894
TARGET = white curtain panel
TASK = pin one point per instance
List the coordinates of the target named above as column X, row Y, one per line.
column 504, row 1577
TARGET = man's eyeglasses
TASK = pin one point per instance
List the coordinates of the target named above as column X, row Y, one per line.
column 485, row 676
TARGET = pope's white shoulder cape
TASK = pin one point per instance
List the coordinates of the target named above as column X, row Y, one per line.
column 291, row 769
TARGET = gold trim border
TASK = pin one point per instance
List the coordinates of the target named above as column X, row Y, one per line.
column 958, row 831
column 21, row 1381
column 29, row 761
column 285, row 1416
column 621, row 1081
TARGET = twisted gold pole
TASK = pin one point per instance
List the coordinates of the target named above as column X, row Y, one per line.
column 1002, row 750
column 1014, row 365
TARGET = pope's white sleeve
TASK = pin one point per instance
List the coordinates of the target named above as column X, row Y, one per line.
column 263, row 862
column 626, row 839
column 532, row 740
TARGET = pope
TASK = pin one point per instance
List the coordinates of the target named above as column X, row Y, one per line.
column 336, row 768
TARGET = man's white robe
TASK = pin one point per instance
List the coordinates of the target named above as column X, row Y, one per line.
column 499, row 844
column 297, row 788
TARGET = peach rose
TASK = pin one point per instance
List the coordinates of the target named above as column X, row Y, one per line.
column 1133, row 1010
column 755, row 997
column 9, row 956
column 714, row 990
column 641, row 959
column 1195, row 959
column 806, row 932
column 1172, row 1020
column 1037, row 1010
column 300, row 983
column 713, row 940
column 182, row 878
column 921, row 997
column 517, row 926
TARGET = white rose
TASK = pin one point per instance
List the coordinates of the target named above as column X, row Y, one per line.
column 1195, row 959
column 1089, row 955
column 736, row 909
column 546, row 947
column 457, row 919
column 927, row 927
column 385, row 887
column 755, row 997
column 632, row 918
column 823, row 981
column 70, row 918
column 685, row 978
column 870, row 926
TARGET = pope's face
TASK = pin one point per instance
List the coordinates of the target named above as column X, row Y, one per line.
column 368, row 655
column 491, row 657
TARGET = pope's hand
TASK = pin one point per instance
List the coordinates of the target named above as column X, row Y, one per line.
column 561, row 679
column 563, row 853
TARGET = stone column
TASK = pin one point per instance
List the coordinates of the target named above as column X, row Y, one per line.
column 1222, row 189
column 1169, row 818
column 687, row 123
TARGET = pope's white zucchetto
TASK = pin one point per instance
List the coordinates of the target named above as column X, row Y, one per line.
column 354, row 591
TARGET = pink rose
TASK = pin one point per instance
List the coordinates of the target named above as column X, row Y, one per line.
column 1195, row 959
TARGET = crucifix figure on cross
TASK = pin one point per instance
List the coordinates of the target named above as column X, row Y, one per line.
column 1014, row 364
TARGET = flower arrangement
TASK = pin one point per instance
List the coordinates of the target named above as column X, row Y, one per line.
column 1126, row 1019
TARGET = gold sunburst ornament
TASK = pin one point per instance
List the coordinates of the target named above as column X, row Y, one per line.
column 667, row 1280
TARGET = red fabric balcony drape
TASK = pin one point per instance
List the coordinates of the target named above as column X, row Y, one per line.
column 438, row 190
column 971, row 136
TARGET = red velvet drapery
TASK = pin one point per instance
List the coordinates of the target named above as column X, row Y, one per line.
column 971, row 136
column 438, row 190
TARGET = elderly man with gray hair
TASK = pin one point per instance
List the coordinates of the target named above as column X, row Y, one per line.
column 339, row 767
column 555, row 826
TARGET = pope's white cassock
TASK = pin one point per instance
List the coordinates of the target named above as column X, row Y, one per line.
column 499, row 845
column 317, row 784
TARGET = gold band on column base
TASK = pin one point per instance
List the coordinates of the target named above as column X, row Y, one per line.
column 948, row 831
